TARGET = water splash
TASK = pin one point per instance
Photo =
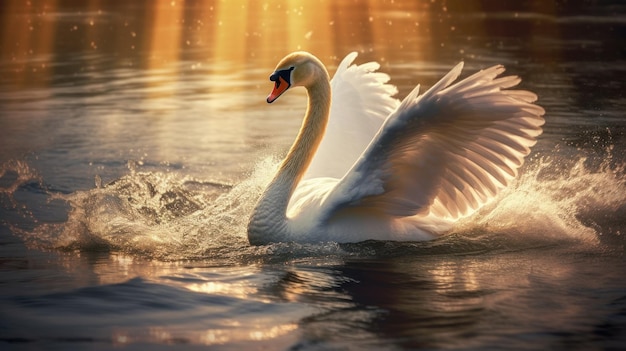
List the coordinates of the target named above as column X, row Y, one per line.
column 17, row 177
column 558, row 199
column 13, row 175
column 168, row 216
column 156, row 214
column 163, row 215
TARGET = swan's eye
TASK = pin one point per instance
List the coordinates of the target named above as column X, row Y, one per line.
column 285, row 74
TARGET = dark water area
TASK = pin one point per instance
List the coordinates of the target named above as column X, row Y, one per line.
column 135, row 140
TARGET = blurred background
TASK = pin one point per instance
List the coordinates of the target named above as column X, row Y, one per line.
column 117, row 65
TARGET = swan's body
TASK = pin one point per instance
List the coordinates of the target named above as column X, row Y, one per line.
column 387, row 170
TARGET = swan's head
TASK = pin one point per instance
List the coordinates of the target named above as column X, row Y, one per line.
column 296, row 69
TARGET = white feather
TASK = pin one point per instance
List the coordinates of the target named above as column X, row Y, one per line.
column 361, row 100
column 407, row 171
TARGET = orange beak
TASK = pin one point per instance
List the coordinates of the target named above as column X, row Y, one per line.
column 280, row 87
column 282, row 79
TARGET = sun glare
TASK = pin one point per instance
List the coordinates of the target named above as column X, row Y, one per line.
column 165, row 32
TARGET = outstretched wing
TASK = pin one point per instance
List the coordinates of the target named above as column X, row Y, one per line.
column 444, row 153
column 361, row 100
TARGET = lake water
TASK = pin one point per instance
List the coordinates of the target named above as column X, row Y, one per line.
column 135, row 139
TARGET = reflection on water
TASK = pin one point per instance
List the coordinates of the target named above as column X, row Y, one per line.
column 414, row 297
column 41, row 39
column 134, row 139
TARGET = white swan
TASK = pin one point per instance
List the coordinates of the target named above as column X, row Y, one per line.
column 387, row 170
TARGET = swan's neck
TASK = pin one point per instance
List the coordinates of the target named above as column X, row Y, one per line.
column 269, row 219
column 311, row 133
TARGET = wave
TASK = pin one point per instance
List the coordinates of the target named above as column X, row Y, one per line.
column 172, row 217
column 558, row 199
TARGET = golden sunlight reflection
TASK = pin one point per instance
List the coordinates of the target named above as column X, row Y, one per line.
column 165, row 24
column 215, row 337
column 222, row 36
column 272, row 332
column 260, row 332
column 120, row 338
column 164, row 44
column 207, row 281
column 162, row 34
column 451, row 275
column 256, row 330
column 451, row 278
column 297, row 284
column 26, row 35
column 118, row 268
column 241, row 290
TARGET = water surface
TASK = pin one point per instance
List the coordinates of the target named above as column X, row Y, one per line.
column 135, row 139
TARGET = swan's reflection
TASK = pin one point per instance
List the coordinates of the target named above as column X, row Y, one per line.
column 406, row 296
column 416, row 302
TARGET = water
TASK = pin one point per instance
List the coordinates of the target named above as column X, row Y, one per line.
column 135, row 139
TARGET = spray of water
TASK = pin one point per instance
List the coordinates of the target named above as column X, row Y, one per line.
column 164, row 215
column 168, row 216
column 553, row 201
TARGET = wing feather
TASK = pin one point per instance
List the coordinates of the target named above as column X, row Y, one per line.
column 445, row 153
column 361, row 100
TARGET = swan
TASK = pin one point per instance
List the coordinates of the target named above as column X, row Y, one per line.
column 369, row 167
